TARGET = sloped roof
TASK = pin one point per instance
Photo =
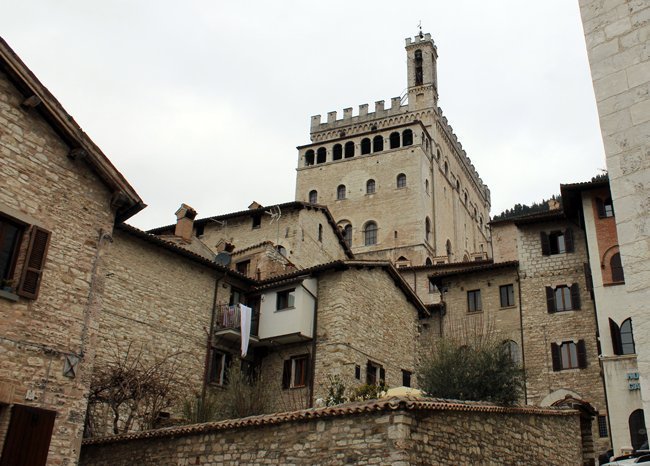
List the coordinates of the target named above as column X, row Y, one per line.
column 69, row 130
column 556, row 214
column 474, row 269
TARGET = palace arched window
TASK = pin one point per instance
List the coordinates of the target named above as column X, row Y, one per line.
column 401, row 180
column 313, row 197
column 349, row 149
column 377, row 144
column 365, row 146
column 427, row 229
column 394, row 140
column 418, row 68
column 321, row 155
column 370, row 234
column 407, row 137
column 309, row 158
column 370, row 187
column 340, row 192
column 337, row 152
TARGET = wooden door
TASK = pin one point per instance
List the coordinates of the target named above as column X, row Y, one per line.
column 28, row 437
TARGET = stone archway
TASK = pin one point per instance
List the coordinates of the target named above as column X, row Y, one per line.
column 587, row 413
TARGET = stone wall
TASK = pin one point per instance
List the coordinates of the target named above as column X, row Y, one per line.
column 380, row 432
column 616, row 35
column 42, row 186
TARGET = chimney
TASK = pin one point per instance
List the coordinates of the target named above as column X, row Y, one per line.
column 255, row 205
column 185, row 222
column 553, row 204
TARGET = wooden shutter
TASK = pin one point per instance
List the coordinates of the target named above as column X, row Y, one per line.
column 615, row 331
column 28, row 437
column 556, row 357
column 370, row 373
column 575, row 296
column 568, row 240
column 382, row 375
column 550, row 299
column 582, row 354
column 546, row 245
column 600, row 205
column 30, row 280
column 286, row 374
column 588, row 278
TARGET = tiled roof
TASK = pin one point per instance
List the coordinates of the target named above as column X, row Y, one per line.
column 532, row 218
column 450, row 265
column 348, row 409
column 479, row 268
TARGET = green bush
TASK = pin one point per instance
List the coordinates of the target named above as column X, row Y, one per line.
column 483, row 371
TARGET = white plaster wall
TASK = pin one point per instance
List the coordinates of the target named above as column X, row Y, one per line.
column 299, row 319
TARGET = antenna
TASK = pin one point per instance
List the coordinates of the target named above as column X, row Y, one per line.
column 276, row 213
column 420, row 27
column 218, row 222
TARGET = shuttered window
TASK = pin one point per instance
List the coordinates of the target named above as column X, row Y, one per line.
column 563, row 298
column 557, row 242
column 569, row 355
column 295, row 372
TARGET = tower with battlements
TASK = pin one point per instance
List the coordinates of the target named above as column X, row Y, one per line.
column 397, row 180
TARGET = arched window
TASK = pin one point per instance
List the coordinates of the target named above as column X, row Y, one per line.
column 282, row 250
column 401, row 180
column 337, row 152
column 448, row 249
column 427, row 229
column 418, row 68
column 370, row 234
column 309, row 158
column 394, row 140
column 370, row 187
column 377, row 144
column 320, row 232
column 438, row 154
column 365, row 146
column 313, row 197
column 636, row 424
column 321, row 155
column 512, row 349
column 347, row 234
column 428, row 261
column 480, row 221
column 426, row 186
column 465, row 197
column 622, row 337
column 349, row 149
column 407, row 137
column 446, row 169
column 617, row 268
column 340, row 192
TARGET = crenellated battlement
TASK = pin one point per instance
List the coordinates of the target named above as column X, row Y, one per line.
column 396, row 108
column 419, row 40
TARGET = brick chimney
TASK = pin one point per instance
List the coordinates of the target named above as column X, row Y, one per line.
column 185, row 222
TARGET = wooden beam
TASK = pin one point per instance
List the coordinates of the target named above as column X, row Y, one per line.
column 32, row 101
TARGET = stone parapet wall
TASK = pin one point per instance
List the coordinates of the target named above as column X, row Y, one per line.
column 391, row 432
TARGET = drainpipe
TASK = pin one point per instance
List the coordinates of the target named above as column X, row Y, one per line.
column 208, row 361
column 312, row 362
column 521, row 329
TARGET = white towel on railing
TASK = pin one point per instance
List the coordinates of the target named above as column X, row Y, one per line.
column 246, row 317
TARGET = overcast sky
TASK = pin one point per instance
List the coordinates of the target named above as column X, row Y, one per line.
column 204, row 102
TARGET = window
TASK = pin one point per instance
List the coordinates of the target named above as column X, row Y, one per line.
column 370, row 187
column 320, row 232
column 337, row 152
column 11, row 235
column 569, row 355
column 357, row 372
column 285, row 299
column 605, row 208
column 309, row 158
column 446, row 167
column 401, row 180
column 407, row 137
column 426, row 186
column 394, row 140
column 219, row 365
column 474, row 301
column 602, row 426
column 617, row 268
column 349, row 149
column 321, row 155
column 465, row 197
column 428, row 261
column 257, row 220
column 507, row 295
column 427, row 229
column 563, row 298
column 557, row 242
column 512, row 348
column 295, row 371
column 375, row 373
column 370, row 234
column 622, row 337
column 418, row 68
column 281, row 250
column 377, row 144
column 347, row 234
column 243, row 267
column 448, row 249
column 365, row 146
column 406, row 378
column 340, row 192
column 313, row 197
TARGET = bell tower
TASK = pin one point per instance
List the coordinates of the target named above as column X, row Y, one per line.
column 422, row 56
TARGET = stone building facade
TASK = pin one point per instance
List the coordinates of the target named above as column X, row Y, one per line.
column 590, row 205
column 616, row 36
column 557, row 314
column 59, row 200
column 397, row 180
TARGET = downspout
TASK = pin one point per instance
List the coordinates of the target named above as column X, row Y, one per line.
column 521, row 329
column 312, row 362
column 208, row 359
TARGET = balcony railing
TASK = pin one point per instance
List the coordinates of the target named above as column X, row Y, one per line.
column 229, row 318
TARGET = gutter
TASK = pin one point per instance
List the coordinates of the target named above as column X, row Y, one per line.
column 312, row 362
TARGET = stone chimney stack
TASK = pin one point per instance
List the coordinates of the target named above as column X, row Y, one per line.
column 553, row 204
column 185, row 222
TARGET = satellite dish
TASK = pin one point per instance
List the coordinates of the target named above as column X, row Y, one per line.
column 223, row 258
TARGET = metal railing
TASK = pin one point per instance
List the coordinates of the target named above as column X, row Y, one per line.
column 229, row 317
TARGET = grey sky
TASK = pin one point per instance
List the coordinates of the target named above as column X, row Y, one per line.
column 204, row 102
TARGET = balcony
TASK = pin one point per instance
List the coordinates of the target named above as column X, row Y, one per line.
column 227, row 324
